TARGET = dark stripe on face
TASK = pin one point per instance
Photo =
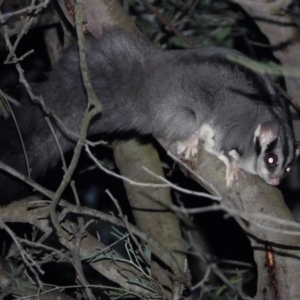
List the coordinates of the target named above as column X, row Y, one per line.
column 270, row 148
column 257, row 147
column 270, row 151
column 285, row 149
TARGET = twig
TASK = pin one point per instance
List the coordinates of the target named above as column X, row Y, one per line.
column 10, row 99
column 152, row 185
column 25, row 179
column 91, row 96
column 28, row 260
column 19, row 134
column 57, row 144
column 146, row 259
column 85, row 122
column 101, row 167
column 159, row 250
column 198, row 176
column 167, row 23
column 37, row 8
column 291, row 100
column 185, row 191
column 204, row 279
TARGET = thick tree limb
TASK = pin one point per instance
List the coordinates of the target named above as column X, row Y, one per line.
column 276, row 253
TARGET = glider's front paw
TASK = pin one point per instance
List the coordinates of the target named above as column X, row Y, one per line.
column 232, row 174
column 188, row 147
column 232, row 167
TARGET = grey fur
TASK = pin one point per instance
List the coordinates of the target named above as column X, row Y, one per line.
column 169, row 94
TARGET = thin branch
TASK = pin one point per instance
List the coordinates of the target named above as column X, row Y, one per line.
column 185, row 191
column 159, row 250
column 152, row 185
column 36, row 7
column 19, row 134
column 167, row 23
column 146, row 259
column 91, row 96
column 28, row 260
column 85, row 122
column 62, row 157
column 203, row 181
